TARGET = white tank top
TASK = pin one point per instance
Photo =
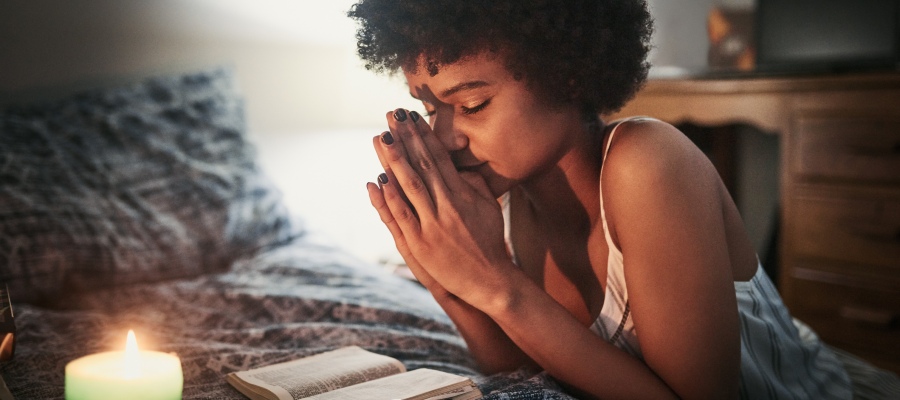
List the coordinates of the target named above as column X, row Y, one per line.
column 775, row 362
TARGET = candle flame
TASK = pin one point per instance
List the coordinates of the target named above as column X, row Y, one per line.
column 132, row 367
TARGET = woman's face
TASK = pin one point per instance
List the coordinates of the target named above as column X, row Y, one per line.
column 491, row 123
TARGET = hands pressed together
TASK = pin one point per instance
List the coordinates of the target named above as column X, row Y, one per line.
column 447, row 225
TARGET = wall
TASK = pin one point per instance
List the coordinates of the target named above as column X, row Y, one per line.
column 294, row 59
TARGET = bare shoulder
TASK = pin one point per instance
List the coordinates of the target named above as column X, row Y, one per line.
column 647, row 148
column 651, row 163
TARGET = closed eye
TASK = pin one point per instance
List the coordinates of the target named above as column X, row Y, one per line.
column 473, row 110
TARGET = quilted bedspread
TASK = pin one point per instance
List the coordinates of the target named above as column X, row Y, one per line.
column 292, row 301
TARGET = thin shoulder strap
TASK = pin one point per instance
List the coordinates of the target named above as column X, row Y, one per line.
column 507, row 227
column 609, row 143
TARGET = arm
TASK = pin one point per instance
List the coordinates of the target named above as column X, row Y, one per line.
column 667, row 204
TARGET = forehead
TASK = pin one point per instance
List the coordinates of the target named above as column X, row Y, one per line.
column 483, row 67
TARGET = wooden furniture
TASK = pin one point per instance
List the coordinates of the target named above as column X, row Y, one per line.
column 840, row 191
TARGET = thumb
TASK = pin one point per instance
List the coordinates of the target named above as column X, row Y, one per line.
column 476, row 181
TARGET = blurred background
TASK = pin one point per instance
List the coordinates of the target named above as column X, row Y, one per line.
column 311, row 106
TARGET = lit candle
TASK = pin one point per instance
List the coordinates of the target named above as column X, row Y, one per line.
column 132, row 374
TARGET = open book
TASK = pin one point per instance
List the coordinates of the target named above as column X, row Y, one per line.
column 350, row 373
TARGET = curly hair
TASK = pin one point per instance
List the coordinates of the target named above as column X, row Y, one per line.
column 586, row 52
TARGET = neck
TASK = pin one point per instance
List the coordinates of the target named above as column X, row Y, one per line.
column 569, row 193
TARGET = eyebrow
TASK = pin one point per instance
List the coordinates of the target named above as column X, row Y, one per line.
column 464, row 86
column 458, row 88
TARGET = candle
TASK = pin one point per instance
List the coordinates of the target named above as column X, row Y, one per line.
column 132, row 374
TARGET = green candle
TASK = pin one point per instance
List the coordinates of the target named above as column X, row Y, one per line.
column 130, row 374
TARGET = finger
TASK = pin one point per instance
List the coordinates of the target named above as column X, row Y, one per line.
column 379, row 149
column 379, row 143
column 406, row 131
column 436, row 148
column 376, row 197
column 405, row 177
column 402, row 214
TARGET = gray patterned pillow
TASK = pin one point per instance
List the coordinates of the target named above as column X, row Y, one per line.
column 141, row 183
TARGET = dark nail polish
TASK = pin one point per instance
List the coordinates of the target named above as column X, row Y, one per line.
column 383, row 179
column 387, row 138
column 400, row 115
column 414, row 116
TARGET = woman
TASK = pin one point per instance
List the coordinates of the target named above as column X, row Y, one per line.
column 608, row 254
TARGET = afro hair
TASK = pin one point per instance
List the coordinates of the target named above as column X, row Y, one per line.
column 588, row 52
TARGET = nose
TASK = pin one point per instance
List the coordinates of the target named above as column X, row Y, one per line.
column 453, row 138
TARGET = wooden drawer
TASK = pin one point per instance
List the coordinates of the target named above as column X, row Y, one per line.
column 862, row 320
column 847, row 226
column 863, row 149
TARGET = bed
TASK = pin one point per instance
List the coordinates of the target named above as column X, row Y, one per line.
column 143, row 207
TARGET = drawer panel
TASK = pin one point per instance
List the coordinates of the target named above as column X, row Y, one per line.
column 856, row 230
column 861, row 319
column 847, row 148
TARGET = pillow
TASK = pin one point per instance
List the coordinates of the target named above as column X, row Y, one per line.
column 140, row 183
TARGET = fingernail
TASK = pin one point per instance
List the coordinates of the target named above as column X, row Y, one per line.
column 383, row 179
column 387, row 138
column 400, row 115
column 414, row 116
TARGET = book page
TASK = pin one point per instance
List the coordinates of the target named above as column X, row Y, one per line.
column 463, row 393
column 418, row 384
column 322, row 372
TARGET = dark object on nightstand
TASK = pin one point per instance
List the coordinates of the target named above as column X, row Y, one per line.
column 731, row 39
